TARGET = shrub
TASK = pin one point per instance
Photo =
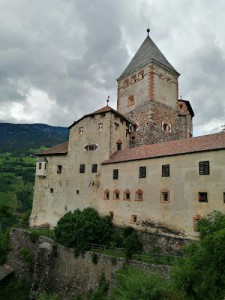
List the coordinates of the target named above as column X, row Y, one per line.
column 26, row 255
column 80, row 228
column 4, row 246
column 131, row 242
column 34, row 236
column 95, row 258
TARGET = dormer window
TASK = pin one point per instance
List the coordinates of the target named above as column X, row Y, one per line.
column 81, row 130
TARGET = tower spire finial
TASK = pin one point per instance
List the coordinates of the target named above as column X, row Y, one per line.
column 148, row 30
column 108, row 101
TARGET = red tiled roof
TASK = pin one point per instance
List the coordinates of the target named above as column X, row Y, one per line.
column 102, row 110
column 58, row 149
column 195, row 144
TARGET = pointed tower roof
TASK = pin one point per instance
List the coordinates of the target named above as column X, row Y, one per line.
column 146, row 53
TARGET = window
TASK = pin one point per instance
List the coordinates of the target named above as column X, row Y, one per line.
column 45, row 166
column 39, row 166
column 165, row 170
column 202, row 197
column 165, row 196
column 166, row 127
column 100, row 126
column 115, row 174
column 139, row 195
column 77, row 192
column 59, row 169
column 133, row 79
column 204, row 168
column 94, row 168
column 51, row 190
column 119, row 147
column 126, row 196
column 133, row 218
column 126, row 83
column 82, row 168
column 116, row 195
column 106, row 195
column 142, row 172
column 141, row 75
column 81, row 130
column 111, row 214
column 130, row 100
column 223, row 197
column 91, row 147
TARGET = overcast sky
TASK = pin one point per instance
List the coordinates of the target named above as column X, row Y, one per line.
column 59, row 59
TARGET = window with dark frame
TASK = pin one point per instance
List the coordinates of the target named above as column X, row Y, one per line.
column 115, row 174
column 39, row 166
column 94, row 168
column 204, row 167
column 142, row 172
column 82, row 168
column 202, row 197
column 165, row 170
column 139, row 195
column 116, row 195
column 119, row 147
column 106, row 195
column 126, row 195
column 51, row 190
column 59, row 169
column 133, row 218
column 165, row 197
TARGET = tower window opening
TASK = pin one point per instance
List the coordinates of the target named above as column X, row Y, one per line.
column 166, row 127
column 130, row 100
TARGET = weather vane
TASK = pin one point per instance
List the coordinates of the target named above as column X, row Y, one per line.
column 148, row 30
column 108, row 100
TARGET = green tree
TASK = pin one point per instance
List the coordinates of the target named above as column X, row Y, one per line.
column 132, row 284
column 201, row 274
column 80, row 228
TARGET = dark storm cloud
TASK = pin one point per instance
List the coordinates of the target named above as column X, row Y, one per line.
column 71, row 53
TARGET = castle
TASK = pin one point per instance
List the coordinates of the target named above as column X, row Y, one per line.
column 139, row 163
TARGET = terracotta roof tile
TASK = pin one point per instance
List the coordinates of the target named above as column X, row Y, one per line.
column 58, row 149
column 195, row 144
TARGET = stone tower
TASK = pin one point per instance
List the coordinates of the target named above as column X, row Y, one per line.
column 148, row 94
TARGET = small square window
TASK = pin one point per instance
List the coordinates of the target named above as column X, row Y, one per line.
column 116, row 195
column 82, row 168
column 81, row 130
column 165, row 196
column 51, row 190
column 204, row 168
column 115, row 174
column 100, row 126
column 39, row 166
column 134, row 218
column 165, row 170
column 59, row 169
column 106, row 195
column 202, row 197
column 142, row 172
column 94, row 168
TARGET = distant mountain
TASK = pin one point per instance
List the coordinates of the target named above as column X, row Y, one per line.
column 16, row 137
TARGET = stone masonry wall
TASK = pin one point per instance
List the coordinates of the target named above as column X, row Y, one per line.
column 55, row 268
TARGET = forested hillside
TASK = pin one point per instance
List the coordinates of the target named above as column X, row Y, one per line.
column 14, row 137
